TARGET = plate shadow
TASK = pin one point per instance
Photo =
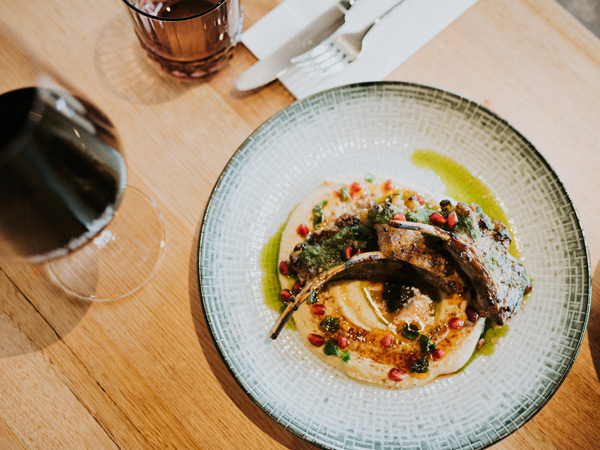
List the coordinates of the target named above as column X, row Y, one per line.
column 230, row 386
column 593, row 326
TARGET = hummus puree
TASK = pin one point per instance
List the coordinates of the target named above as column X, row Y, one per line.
column 364, row 317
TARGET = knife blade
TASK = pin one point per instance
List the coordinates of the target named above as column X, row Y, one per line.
column 278, row 62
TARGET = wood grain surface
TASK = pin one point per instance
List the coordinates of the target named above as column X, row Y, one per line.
column 143, row 372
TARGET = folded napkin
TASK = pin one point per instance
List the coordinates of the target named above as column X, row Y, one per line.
column 400, row 34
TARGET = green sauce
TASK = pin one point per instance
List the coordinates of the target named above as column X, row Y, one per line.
column 491, row 336
column 463, row 186
column 328, row 253
column 381, row 213
column 421, row 215
column 269, row 262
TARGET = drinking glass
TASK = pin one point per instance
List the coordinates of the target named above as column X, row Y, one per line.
column 187, row 38
column 63, row 180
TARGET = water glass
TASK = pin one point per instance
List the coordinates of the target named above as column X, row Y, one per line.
column 187, row 38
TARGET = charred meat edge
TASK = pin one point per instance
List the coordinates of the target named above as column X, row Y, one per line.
column 413, row 247
column 489, row 301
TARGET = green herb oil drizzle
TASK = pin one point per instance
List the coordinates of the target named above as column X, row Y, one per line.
column 491, row 334
column 269, row 262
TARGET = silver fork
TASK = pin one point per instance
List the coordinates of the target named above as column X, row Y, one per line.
column 334, row 54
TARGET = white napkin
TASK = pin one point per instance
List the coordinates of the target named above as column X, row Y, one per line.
column 400, row 34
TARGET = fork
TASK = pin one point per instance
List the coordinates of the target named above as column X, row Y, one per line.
column 334, row 54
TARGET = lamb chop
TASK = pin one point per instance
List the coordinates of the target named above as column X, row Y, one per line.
column 480, row 248
column 413, row 247
column 476, row 244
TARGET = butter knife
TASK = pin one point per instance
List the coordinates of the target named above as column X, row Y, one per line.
column 278, row 62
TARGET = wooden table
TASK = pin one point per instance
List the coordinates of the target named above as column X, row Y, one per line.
column 143, row 372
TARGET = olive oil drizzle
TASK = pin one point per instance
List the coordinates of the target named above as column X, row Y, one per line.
column 491, row 334
column 270, row 282
column 366, row 291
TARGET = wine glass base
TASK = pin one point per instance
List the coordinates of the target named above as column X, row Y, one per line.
column 120, row 259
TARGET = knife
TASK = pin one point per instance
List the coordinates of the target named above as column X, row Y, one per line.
column 278, row 62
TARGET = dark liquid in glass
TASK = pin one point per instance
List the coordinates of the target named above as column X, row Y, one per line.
column 61, row 174
column 178, row 9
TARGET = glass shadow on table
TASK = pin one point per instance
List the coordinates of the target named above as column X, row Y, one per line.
column 36, row 315
column 124, row 67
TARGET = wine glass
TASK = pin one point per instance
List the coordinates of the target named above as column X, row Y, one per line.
column 64, row 199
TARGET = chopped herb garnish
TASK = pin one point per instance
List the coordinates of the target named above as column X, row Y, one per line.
column 331, row 324
column 345, row 356
column 331, row 348
column 369, row 177
column 465, row 223
column 410, row 331
column 421, row 215
column 381, row 213
column 312, row 298
column 328, row 254
column 420, row 365
column 318, row 214
column 426, row 344
column 344, row 194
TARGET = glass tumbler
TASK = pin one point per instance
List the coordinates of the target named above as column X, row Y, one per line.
column 187, row 38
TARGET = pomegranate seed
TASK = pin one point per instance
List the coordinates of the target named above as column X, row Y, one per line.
column 387, row 341
column 411, row 359
column 318, row 310
column 348, row 251
column 315, row 339
column 297, row 287
column 396, row 374
column 437, row 354
column 480, row 343
column 452, row 220
column 342, row 342
column 285, row 295
column 528, row 289
column 302, row 230
column 456, row 324
column 400, row 217
column 472, row 315
column 437, row 218
column 389, row 184
column 355, row 188
column 284, row 268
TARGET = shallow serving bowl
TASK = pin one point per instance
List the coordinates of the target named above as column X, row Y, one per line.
column 375, row 127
